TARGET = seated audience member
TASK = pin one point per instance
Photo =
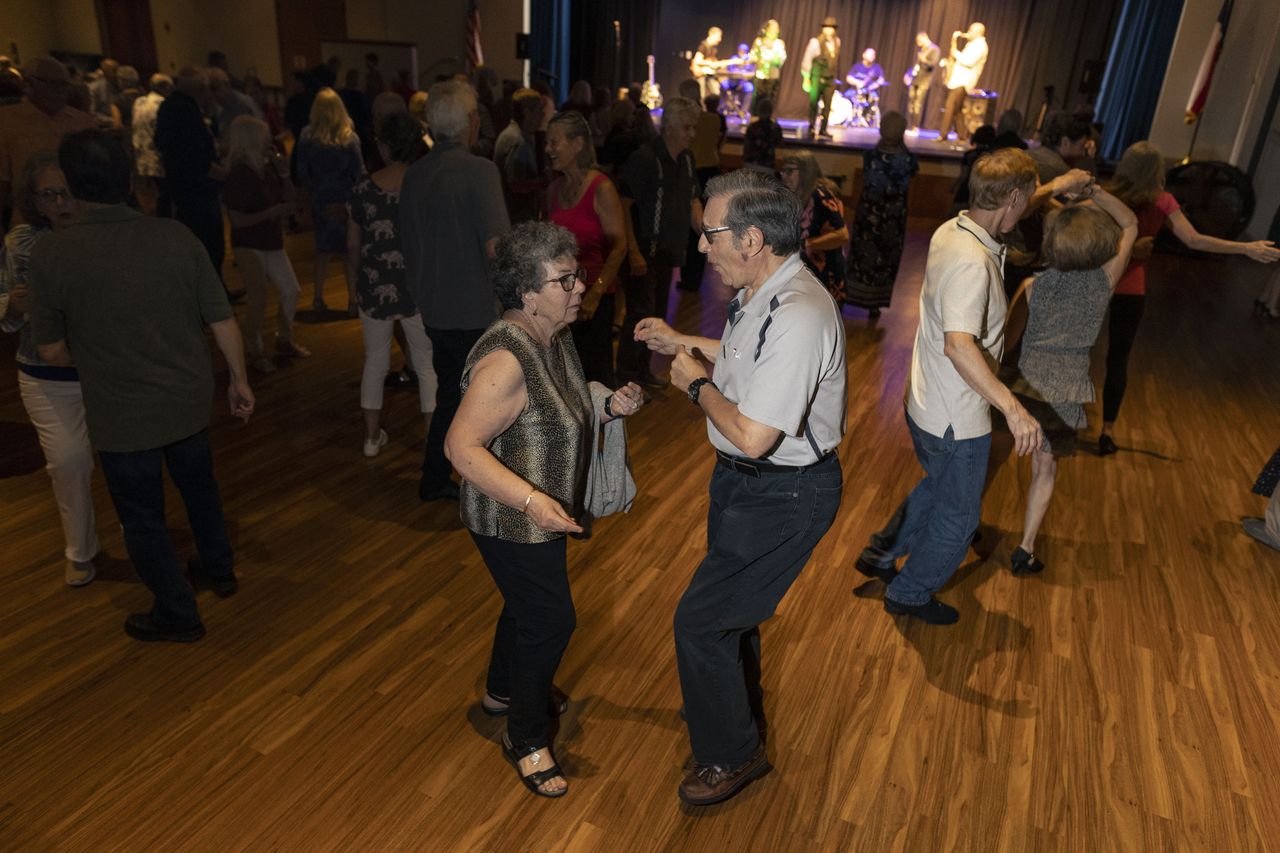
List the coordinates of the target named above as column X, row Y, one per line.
column 1139, row 183
column 582, row 199
column 1009, row 131
column 451, row 215
column 527, row 423
column 1086, row 248
column 329, row 164
column 258, row 200
column 36, row 124
column 516, row 155
column 103, row 284
column 823, row 231
column 763, row 136
column 375, row 263
column 50, row 393
column 880, row 221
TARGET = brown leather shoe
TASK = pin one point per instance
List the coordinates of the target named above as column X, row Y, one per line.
column 711, row 783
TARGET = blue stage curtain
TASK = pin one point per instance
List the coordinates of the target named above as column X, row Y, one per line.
column 549, row 45
column 1135, row 72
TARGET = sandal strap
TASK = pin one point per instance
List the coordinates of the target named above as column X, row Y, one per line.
column 538, row 778
column 523, row 751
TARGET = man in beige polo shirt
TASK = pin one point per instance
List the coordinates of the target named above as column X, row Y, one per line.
column 953, row 386
column 36, row 124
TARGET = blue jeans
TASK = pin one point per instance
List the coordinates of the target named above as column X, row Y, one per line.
column 136, row 484
column 936, row 522
column 760, row 533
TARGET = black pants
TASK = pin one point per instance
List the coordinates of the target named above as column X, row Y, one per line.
column 202, row 213
column 449, row 351
column 820, row 90
column 136, row 482
column 1126, row 315
column 760, row 533
column 695, row 263
column 594, row 341
column 533, row 631
column 647, row 296
column 765, row 89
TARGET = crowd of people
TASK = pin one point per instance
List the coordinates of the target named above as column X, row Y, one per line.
column 506, row 244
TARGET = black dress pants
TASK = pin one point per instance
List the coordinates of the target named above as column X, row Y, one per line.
column 449, row 351
column 1126, row 315
column 201, row 211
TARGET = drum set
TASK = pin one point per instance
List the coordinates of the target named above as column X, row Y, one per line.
column 736, row 90
column 855, row 107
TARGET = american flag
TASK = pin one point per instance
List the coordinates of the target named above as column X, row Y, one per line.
column 1204, row 77
column 475, row 53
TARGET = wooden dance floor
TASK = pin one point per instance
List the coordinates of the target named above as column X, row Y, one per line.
column 1127, row 699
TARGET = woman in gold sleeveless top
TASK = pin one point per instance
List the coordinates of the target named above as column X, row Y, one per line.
column 522, row 441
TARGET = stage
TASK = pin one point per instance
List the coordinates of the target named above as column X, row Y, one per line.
column 922, row 143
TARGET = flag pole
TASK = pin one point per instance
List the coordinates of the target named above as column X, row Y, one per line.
column 1194, row 133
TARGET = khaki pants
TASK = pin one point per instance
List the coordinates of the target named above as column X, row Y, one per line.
column 257, row 267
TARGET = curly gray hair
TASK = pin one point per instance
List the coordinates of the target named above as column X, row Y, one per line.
column 520, row 264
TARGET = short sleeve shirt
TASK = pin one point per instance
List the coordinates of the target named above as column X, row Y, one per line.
column 782, row 362
column 963, row 292
column 131, row 295
column 649, row 168
column 1151, row 219
column 247, row 191
column 380, row 286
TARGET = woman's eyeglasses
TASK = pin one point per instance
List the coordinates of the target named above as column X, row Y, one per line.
column 53, row 194
column 569, row 279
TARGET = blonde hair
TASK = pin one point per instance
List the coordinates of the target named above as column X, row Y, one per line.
column 418, row 106
column 329, row 123
column 1139, row 177
column 575, row 127
column 997, row 175
column 1079, row 238
column 246, row 142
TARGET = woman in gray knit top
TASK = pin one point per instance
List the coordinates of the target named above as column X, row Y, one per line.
column 1087, row 247
column 522, row 441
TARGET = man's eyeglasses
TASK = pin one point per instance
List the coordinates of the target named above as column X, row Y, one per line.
column 53, row 194
column 708, row 232
column 569, row 279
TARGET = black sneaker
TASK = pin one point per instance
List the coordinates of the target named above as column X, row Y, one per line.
column 1106, row 445
column 933, row 611
column 873, row 570
column 223, row 586
column 141, row 627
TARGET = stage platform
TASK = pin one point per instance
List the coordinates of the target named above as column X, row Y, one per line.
column 922, row 143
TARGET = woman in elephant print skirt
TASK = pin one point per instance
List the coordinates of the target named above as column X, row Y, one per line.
column 375, row 263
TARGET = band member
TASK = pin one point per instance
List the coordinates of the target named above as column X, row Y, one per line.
column 736, row 90
column 705, row 65
column 919, row 77
column 962, row 76
column 768, row 53
column 866, row 78
column 818, row 68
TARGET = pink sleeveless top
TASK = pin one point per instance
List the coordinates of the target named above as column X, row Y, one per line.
column 581, row 219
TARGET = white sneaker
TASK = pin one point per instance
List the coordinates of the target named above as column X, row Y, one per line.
column 80, row 574
column 371, row 448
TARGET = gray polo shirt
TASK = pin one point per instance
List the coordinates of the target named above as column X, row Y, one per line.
column 782, row 361
column 963, row 291
column 450, row 206
column 131, row 295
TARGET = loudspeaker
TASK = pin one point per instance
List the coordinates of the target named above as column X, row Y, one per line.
column 978, row 110
column 522, row 46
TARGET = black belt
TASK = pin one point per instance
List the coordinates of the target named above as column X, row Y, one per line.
column 755, row 468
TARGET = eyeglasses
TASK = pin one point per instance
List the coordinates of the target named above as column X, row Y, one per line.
column 786, row 169
column 569, row 279
column 708, row 232
column 54, row 194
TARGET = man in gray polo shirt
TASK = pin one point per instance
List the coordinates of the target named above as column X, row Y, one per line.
column 953, row 385
column 451, row 216
column 775, row 414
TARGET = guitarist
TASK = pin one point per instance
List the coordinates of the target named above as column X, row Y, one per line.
column 818, row 70
column 704, row 66
column 919, row 77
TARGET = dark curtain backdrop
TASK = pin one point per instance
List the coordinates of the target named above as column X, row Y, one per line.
column 596, row 56
column 1135, row 72
column 1032, row 44
column 549, row 44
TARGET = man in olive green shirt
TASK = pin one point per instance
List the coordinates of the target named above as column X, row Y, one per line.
column 128, row 297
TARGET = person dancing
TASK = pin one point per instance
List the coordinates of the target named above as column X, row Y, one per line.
column 521, row 440
column 818, row 68
column 1087, row 249
column 1139, row 183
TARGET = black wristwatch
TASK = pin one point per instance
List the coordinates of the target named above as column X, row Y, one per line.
column 695, row 388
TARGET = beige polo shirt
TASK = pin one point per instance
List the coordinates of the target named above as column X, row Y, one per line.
column 782, row 363
column 963, row 292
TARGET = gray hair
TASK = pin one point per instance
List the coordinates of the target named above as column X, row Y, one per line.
column 162, row 84
column 520, row 264
column 757, row 200
column 576, row 127
column 449, row 108
column 681, row 110
column 127, row 77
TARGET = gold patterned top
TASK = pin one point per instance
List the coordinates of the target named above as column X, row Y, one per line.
column 550, row 442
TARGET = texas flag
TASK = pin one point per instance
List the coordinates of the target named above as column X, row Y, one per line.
column 1204, row 77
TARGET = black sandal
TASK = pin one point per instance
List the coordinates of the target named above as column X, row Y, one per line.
column 535, row 780
column 1024, row 563
column 559, row 704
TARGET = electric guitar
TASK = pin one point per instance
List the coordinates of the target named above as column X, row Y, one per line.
column 650, row 94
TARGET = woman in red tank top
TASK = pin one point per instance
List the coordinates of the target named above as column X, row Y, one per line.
column 582, row 199
column 1139, row 183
